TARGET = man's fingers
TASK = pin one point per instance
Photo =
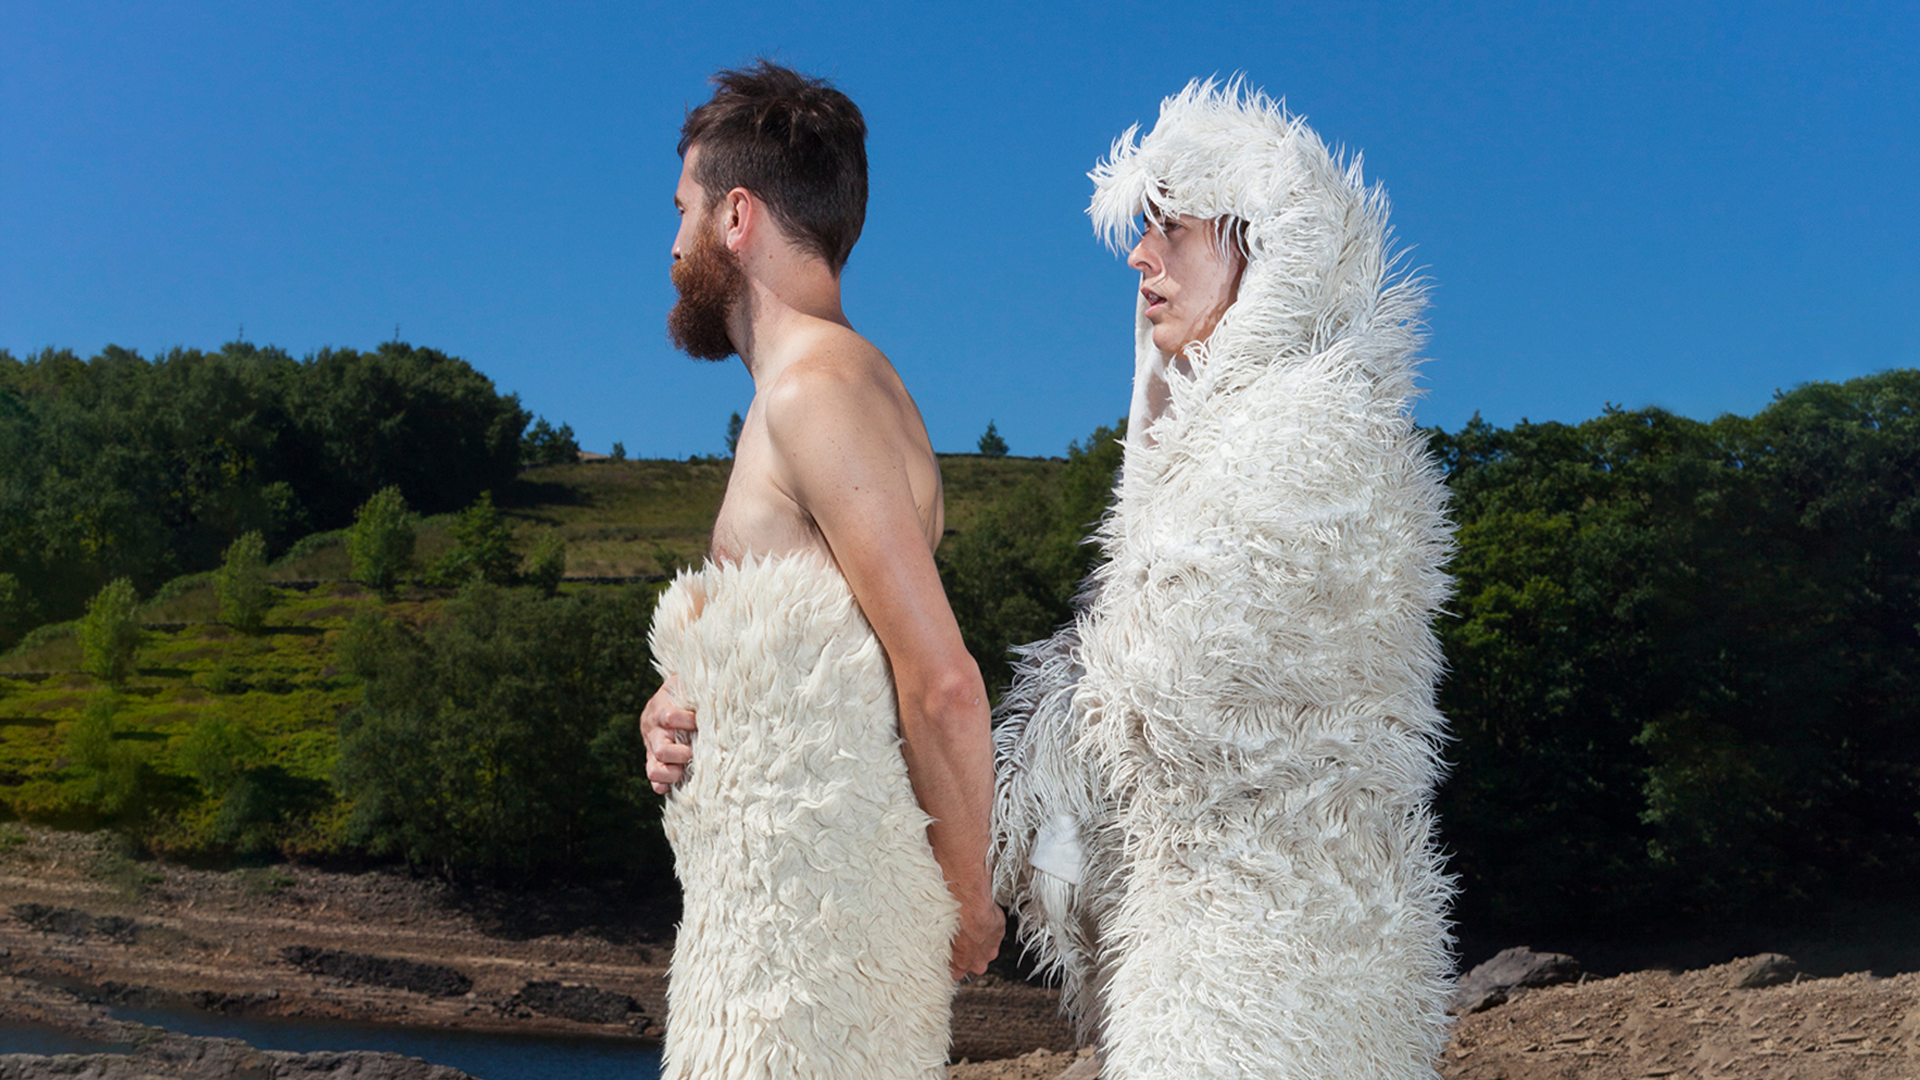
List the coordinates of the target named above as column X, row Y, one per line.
column 671, row 753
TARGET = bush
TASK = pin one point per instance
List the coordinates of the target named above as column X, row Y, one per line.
column 547, row 566
column 381, row 541
column 217, row 752
column 502, row 741
column 482, row 547
column 241, row 585
column 111, row 769
column 110, row 635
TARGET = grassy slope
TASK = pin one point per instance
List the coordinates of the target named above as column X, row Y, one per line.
column 634, row 518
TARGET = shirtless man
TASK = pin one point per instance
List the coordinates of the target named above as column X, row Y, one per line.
column 833, row 464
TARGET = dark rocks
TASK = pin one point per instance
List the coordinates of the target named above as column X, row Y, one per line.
column 231, row 1004
column 586, row 1004
column 396, row 974
column 73, row 922
column 1512, row 969
column 1767, row 969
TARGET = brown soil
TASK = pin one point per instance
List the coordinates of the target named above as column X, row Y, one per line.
column 292, row 941
column 379, row 946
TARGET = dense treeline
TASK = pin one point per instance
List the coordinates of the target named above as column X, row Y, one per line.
column 123, row 467
column 1683, row 655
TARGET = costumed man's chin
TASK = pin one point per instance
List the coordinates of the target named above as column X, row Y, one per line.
column 711, row 285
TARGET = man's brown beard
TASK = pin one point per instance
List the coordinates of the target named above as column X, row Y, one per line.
column 711, row 284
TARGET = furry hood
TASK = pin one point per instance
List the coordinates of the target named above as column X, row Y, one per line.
column 1320, row 258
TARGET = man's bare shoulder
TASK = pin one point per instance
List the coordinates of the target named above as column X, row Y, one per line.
column 836, row 374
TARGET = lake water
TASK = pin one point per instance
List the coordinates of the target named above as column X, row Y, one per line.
column 21, row 1038
column 482, row 1055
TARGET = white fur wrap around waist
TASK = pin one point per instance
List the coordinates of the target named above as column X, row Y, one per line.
column 817, row 925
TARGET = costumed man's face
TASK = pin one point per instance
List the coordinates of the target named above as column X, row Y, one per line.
column 706, row 273
column 1189, row 275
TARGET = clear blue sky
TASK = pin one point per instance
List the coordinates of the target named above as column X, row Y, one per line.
column 1684, row 205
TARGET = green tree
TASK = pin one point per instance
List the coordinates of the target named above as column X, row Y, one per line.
column 482, row 547
column 241, row 584
column 501, row 742
column 381, row 541
column 110, row 634
column 547, row 566
column 112, row 769
column 218, row 751
column 991, row 444
column 619, row 452
column 545, row 444
column 1012, row 574
column 18, row 612
column 734, row 425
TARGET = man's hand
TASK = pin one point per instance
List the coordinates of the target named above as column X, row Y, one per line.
column 667, row 729
column 977, row 942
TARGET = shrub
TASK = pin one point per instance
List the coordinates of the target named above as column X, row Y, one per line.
column 110, row 635
column 482, row 547
column 111, row 769
column 241, row 584
column 502, row 741
column 548, row 563
column 381, row 541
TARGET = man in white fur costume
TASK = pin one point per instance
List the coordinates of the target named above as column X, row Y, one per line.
column 829, row 817
column 1213, row 806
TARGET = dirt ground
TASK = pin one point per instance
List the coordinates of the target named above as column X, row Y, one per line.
column 291, row 941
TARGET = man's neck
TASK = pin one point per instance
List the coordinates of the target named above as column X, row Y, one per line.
column 778, row 307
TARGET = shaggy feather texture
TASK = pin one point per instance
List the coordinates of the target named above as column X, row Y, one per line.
column 817, row 925
column 1239, row 729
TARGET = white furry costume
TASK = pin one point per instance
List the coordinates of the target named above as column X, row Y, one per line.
column 817, row 925
column 1213, row 807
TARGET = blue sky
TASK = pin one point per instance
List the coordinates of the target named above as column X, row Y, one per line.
column 1683, row 205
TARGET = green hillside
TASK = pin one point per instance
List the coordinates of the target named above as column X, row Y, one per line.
column 285, row 689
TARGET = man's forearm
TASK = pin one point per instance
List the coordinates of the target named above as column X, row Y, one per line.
column 948, row 748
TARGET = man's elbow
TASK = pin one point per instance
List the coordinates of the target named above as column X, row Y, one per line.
column 955, row 699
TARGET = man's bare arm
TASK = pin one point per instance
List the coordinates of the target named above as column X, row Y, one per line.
column 841, row 457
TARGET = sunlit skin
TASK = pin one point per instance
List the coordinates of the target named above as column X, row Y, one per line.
column 1188, row 278
column 833, row 458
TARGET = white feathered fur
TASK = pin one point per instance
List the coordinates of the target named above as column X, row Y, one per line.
column 1242, row 720
column 816, row 927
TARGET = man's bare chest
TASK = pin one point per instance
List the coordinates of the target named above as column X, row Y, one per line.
column 757, row 518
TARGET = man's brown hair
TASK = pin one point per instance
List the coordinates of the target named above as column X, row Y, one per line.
column 795, row 142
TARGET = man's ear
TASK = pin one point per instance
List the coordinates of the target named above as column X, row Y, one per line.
column 740, row 215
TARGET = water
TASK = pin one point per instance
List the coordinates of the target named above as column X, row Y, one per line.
column 483, row 1055
column 18, row 1037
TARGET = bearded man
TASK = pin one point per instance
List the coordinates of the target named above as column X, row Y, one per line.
column 829, row 815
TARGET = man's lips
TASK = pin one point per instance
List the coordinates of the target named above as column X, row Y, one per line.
column 1153, row 299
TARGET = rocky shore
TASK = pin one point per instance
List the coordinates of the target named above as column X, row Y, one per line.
column 83, row 928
